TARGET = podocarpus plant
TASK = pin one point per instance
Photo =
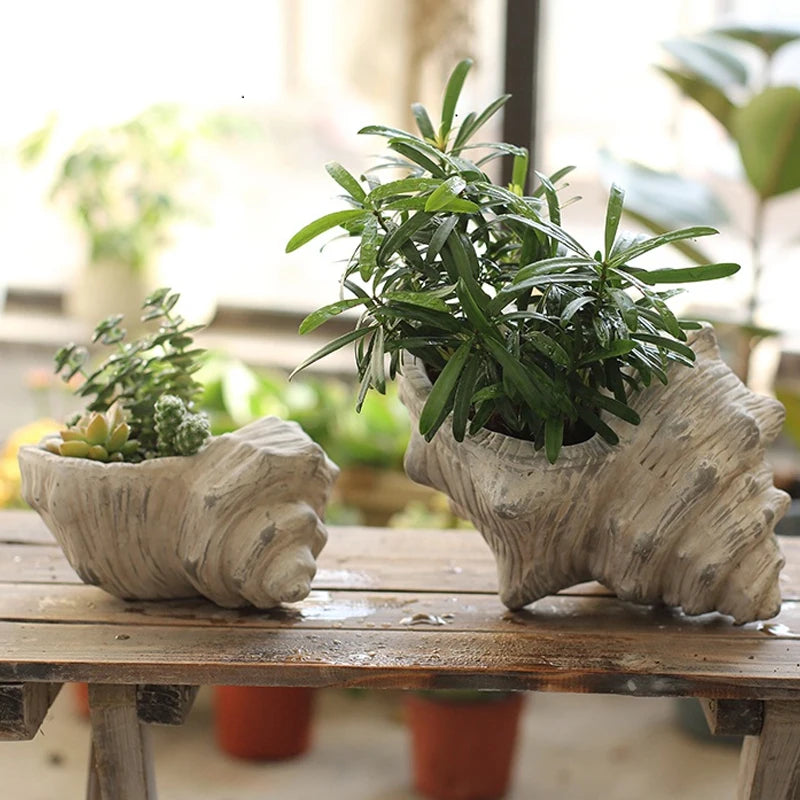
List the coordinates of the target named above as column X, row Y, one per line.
column 143, row 394
column 522, row 329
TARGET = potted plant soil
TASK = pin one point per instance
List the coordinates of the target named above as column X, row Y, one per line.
column 147, row 505
column 263, row 723
column 556, row 399
column 463, row 742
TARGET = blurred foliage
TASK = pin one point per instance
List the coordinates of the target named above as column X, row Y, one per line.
column 727, row 72
column 122, row 185
column 235, row 395
column 32, row 433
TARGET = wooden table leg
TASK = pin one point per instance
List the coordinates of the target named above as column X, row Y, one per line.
column 121, row 765
column 769, row 768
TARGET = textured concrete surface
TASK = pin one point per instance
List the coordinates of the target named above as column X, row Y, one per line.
column 573, row 747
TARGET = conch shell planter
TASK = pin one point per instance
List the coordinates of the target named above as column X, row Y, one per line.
column 682, row 511
column 239, row 522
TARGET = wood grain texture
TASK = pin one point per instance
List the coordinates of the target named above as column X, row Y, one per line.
column 769, row 768
column 23, row 707
column 682, row 511
column 585, row 658
column 733, row 717
column 121, row 763
column 164, row 705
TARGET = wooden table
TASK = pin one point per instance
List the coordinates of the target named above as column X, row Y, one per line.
column 390, row 609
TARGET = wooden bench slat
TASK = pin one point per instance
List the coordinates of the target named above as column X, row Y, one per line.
column 164, row 704
column 23, row 707
column 733, row 717
column 344, row 610
column 586, row 658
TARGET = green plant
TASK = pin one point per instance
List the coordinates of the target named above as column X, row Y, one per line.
column 98, row 435
column 149, row 380
column 728, row 73
column 523, row 329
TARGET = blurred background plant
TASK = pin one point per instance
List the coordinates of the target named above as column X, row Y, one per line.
column 728, row 72
column 367, row 446
column 125, row 187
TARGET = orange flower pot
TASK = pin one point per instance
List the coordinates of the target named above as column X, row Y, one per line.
column 463, row 749
column 263, row 723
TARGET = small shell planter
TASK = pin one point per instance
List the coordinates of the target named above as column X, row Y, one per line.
column 239, row 522
column 682, row 511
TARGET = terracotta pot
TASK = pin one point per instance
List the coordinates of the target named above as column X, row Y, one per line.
column 80, row 696
column 463, row 749
column 263, row 723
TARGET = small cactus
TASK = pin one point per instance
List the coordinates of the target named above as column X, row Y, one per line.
column 99, row 436
column 180, row 432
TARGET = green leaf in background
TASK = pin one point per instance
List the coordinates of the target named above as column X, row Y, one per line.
column 712, row 99
column 769, row 38
column 767, row 131
column 318, row 226
column 316, row 318
column 712, row 63
column 451, row 94
column 346, row 181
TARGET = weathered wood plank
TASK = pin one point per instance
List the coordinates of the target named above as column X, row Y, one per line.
column 341, row 610
column 23, row 527
column 121, row 767
column 584, row 658
column 769, row 768
column 23, row 707
column 164, row 705
column 733, row 717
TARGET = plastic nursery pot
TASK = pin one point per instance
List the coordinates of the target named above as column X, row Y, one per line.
column 263, row 723
column 462, row 743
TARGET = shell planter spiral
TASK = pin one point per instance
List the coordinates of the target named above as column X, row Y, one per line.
column 681, row 511
column 239, row 522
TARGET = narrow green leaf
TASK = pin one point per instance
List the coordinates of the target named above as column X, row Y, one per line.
column 402, row 186
column 465, row 388
column 367, row 253
column 315, row 319
column 473, row 311
column 641, row 247
column 613, row 214
column 667, row 344
column 611, row 404
column 439, row 238
column 332, row 346
column 423, row 121
column 519, row 171
column 458, row 205
column 619, row 347
column 445, row 192
column 554, row 179
column 530, row 390
column 346, row 181
column 550, row 347
column 552, row 266
column 553, row 231
column 318, row 226
column 377, row 361
column 553, row 437
column 422, row 299
column 418, row 158
column 596, row 424
column 402, row 234
column 385, row 130
column 553, row 206
column 574, row 306
column 708, row 272
column 451, row 94
column 470, row 127
column 441, row 396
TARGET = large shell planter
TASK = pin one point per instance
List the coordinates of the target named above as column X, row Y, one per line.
column 682, row 511
column 239, row 522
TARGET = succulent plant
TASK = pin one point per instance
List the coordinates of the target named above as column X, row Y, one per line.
column 97, row 435
column 179, row 431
